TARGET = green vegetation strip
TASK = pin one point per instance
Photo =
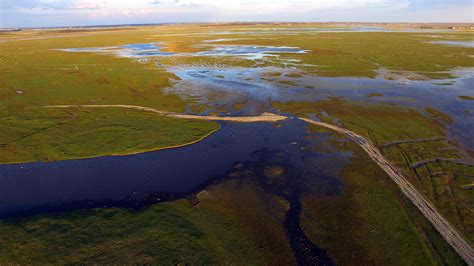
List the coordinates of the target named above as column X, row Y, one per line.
column 36, row 134
column 229, row 217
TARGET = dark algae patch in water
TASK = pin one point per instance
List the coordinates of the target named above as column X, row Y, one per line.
column 276, row 173
column 290, row 183
column 306, row 252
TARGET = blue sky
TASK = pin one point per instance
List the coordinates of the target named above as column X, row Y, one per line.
column 44, row 13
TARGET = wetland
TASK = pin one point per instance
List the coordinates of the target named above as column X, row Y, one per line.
column 285, row 189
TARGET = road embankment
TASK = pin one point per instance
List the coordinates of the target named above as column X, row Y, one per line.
column 265, row 117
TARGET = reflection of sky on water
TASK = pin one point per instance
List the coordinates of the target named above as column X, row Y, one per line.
column 250, row 52
column 150, row 50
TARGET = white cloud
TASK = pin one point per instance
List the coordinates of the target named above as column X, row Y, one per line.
column 73, row 12
column 157, row 4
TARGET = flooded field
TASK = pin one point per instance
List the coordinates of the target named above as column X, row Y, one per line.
column 253, row 90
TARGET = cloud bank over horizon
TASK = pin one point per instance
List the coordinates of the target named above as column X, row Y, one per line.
column 46, row 13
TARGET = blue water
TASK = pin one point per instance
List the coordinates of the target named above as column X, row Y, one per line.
column 150, row 177
column 141, row 46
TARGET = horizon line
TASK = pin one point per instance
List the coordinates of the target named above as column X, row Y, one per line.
column 231, row 22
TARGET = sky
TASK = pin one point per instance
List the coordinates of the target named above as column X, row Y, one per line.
column 50, row 13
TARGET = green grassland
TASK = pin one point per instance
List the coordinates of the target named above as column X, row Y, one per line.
column 33, row 75
column 38, row 134
column 47, row 76
column 379, row 123
column 229, row 223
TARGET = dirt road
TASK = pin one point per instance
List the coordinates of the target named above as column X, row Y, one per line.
column 265, row 117
column 450, row 234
